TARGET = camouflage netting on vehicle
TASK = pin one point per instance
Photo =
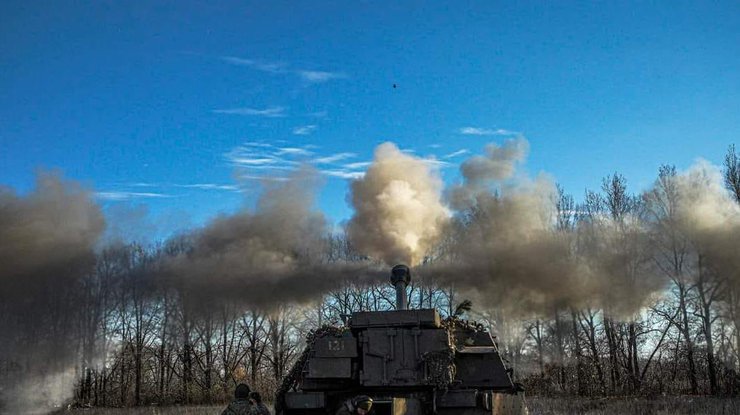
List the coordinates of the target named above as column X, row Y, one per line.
column 440, row 365
column 290, row 381
column 454, row 323
column 440, row 368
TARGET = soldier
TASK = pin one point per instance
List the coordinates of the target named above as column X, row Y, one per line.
column 258, row 408
column 240, row 405
column 359, row 405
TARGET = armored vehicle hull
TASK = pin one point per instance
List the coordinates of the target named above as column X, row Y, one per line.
column 410, row 362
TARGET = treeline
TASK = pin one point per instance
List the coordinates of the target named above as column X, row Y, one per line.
column 685, row 341
column 142, row 343
column 126, row 338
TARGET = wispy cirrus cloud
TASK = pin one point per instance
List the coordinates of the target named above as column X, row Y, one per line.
column 319, row 76
column 310, row 76
column 456, row 153
column 333, row 158
column 436, row 163
column 294, row 151
column 271, row 67
column 485, row 131
column 270, row 112
column 266, row 161
column 344, row 174
column 304, row 129
column 122, row 195
column 260, row 156
column 208, row 186
column 358, row 165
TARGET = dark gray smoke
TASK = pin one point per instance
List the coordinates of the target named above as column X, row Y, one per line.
column 46, row 246
column 48, row 234
column 266, row 257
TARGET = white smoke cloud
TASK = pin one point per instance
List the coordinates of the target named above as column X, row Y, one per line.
column 399, row 213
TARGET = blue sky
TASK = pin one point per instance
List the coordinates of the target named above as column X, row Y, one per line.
column 163, row 104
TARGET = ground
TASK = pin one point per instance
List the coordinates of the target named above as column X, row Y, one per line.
column 684, row 405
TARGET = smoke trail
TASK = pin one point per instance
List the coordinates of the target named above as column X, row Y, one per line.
column 47, row 245
column 398, row 209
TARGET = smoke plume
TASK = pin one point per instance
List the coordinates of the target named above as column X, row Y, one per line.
column 498, row 236
column 481, row 173
column 399, row 214
column 710, row 218
column 507, row 252
column 47, row 239
column 265, row 257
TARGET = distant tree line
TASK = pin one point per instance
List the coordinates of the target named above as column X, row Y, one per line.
column 136, row 342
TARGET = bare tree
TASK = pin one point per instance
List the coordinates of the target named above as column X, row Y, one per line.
column 672, row 255
column 732, row 172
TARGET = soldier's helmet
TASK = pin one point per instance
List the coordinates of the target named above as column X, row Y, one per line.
column 362, row 402
column 241, row 391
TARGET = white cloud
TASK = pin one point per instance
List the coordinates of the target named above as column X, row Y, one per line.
column 485, row 131
column 456, row 154
column 319, row 76
column 271, row 112
column 271, row 67
column 142, row 184
column 333, row 158
column 304, row 129
column 237, row 61
column 344, row 174
column 435, row 163
column 257, row 161
column 208, row 186
column 293, row 151
column 117, row 195
column 257, row 177
column 257, row 144
column 357, row 165
column 281, row 68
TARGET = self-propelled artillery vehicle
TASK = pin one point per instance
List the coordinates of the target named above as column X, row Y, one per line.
column 410, row 362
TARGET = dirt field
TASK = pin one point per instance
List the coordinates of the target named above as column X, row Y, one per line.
column 170, row 410
column 538, row 406
column 637, row 406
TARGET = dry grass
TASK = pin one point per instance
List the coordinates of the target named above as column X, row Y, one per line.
column 688, row 405
column 684, row 405
column 152, row 410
